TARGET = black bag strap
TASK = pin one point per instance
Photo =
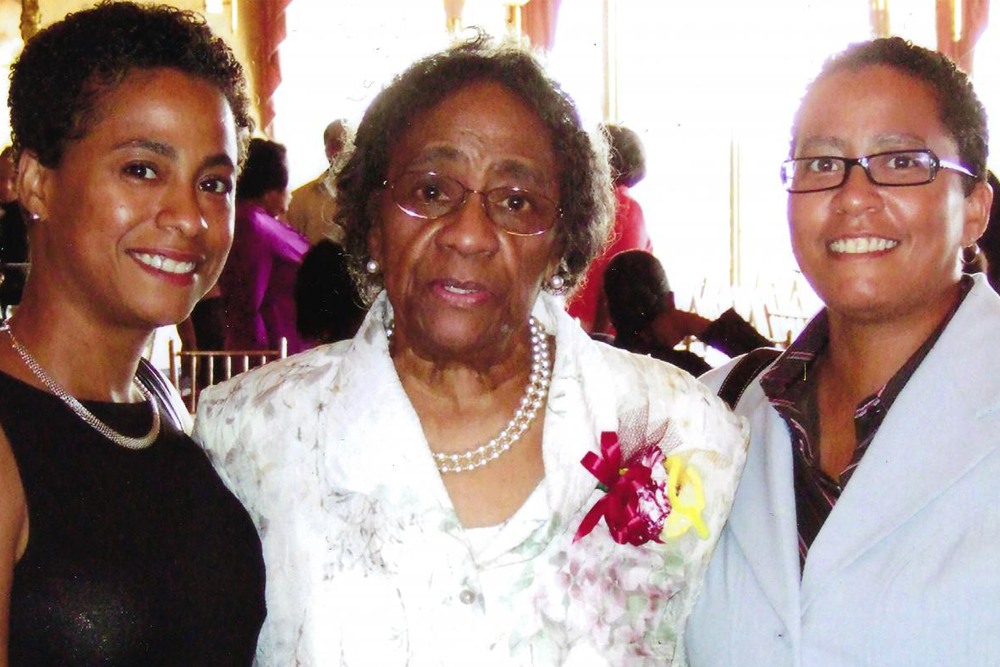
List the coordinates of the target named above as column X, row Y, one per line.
column 744, row 372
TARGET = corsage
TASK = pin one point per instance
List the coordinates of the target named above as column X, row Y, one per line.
column 648, row 494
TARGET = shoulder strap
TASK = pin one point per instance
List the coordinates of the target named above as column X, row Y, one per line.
column 744, row 372
column 163, row 392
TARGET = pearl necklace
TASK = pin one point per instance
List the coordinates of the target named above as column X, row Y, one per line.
column 83, row 413
column 531, row 403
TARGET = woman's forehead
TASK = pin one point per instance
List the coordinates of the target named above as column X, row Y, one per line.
column 872, row 108
column 483, row 125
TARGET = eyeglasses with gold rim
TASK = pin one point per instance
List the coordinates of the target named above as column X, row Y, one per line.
column 515, row 210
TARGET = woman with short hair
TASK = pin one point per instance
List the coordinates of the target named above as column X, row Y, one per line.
column 866, row 529
column 119, row 544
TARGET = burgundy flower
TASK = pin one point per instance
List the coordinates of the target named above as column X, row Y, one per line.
column 635, row 506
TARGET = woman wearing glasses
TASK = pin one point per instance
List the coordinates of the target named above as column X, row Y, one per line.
column 866, row 530
column 419, row 488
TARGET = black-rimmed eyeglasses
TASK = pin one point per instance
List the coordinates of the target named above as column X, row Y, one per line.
column 429, row 196
column 891, row 168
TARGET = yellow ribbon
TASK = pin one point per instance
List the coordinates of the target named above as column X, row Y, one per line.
column 687, row 499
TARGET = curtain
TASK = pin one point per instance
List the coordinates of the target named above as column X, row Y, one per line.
column 538, row 22
column 271, row 31
column 879, row 17
column 961, row 47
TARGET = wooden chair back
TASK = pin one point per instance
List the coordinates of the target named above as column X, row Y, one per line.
column 193, row 370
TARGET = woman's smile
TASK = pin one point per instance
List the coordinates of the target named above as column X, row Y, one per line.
column 170, row 265
column 867, row 246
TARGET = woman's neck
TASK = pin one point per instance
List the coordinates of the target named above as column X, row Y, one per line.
column 463, row 382
column 863, row 355
column 89, row 361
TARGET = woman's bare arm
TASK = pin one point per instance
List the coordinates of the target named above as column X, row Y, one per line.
column 13, row 535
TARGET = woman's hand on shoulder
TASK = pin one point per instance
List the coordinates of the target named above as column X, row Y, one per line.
column 13, row 535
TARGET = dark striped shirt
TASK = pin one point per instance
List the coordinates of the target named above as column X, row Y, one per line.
column 791, row 389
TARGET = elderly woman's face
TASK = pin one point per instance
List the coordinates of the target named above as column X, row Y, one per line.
column 136, row 220
column 460, row 285
column 870, row 251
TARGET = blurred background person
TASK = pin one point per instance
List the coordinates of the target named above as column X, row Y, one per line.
column 642, row 310
column 865, row 528
column 328, row 307
column 314, row 205
column 8, row 176
column 13, row 236
column 984, row 256
column 628, row 167
column 327, row 304
column 258, row 283
column 119, row 544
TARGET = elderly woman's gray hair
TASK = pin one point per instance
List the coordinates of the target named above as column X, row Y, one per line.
column 586, row 200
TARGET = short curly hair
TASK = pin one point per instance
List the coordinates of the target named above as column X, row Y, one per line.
column 959, row 108
column 64, row 71
column 585, row 193
column 628, row 158
column 265, row 169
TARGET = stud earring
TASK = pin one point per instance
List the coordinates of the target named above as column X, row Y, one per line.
column 556, row 284
column 372, row 267
column 34, row 217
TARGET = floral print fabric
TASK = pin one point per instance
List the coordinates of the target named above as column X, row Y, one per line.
column 367, row 563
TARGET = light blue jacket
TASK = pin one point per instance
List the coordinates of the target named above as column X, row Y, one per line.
column 906, row 570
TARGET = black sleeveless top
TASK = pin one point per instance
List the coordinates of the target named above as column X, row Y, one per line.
column 134, row 557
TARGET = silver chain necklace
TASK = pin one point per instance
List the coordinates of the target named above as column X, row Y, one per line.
column 531, row 403
column 83, row 413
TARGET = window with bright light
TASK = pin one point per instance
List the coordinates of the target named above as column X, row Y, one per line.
column 712, row 94
column 339, row 55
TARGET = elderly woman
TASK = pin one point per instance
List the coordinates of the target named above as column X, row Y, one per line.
column 866, row 530
column 119, row 544
column 419, row 489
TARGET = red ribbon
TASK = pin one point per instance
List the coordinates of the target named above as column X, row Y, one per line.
column 620, row 506
column 606, row 466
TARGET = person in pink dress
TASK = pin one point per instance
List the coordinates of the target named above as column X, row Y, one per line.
column 258, row 283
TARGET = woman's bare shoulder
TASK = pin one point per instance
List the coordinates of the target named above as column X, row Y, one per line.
column 13, row 506
column 13, row 534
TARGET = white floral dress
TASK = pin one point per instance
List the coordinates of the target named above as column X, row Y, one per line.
column 367, row 563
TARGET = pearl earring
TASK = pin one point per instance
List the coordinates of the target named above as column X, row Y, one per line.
column 556, row 284
column 372, row 266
